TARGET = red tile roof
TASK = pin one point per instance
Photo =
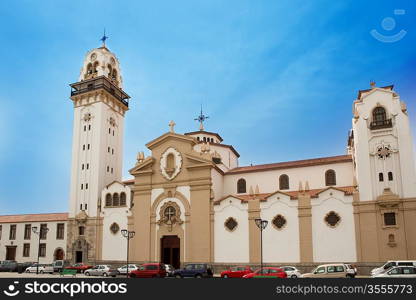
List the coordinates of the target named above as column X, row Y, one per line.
column 348, row 190
column 292, row 164
column 34, row 218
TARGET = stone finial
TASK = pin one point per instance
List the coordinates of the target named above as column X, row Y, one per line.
column 140, row 157
column 307, row 186
column 171, row 126
column 256, row 191
column 250, row 191
column 372, row 84
column 300, row 186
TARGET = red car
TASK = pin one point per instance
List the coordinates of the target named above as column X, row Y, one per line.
column 80, row 267
column 236, row 272
column 154, row 270
column 268, row 272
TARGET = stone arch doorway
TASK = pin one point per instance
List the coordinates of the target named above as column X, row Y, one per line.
column 170, row 250
column 58, row 254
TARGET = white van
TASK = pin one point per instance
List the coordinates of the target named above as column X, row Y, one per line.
column 392, row 263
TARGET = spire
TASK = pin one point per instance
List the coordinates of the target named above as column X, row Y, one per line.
column 103, row 39
column 201, row 118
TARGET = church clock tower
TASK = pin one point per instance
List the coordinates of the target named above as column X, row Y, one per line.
column 99, row 108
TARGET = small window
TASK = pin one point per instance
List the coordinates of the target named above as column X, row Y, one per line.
column 86, row 186
column 88, row 147
column 1, row 229
column 60, row 231
column 108, row 200
column 279, row 222
column 85, row 128
column 88, row 166
column 332, row 219
column 86, row 206
column 81, row 230
column 123, row 199
column 112, row 151
column 283, row 182
column 82, row 186
column 42, row 250
column 12, row 234
column 28, row 231
column 380, row 177
column 111, row 170
column 83, row 147
column 241, row 186
column 89, row 127
column 43, row 231
column 113, row 132
column 390, row 175
column 230, row 224
column 116, row 200
column 390, row 219
column 108, row 149
column 330, row 178
column 109, row 130
column 379, row 114
column 82, row 167
column 26, row 250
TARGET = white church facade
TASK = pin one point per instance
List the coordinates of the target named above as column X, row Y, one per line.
column 190, row 201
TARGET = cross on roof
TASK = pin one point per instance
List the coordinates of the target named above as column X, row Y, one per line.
column 201, row 118
column 104, row 38
column 172, row 125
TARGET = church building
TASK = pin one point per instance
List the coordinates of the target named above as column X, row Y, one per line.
column 191, row 201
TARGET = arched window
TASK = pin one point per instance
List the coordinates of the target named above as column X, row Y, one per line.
column 122, row 199
column 380, row 177
column 283, row 182
column 379, row 115
column 108, row 200
column 116, row 200
column 390, row 175
column 241, row 186
column 89, row 69
column 330, row 178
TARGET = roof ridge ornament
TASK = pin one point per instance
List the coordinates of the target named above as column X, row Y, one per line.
column 103, row 39
column 201, row 118
column 373, row 84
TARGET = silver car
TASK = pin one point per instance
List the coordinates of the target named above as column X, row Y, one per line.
column 101, row 270
column 123, row 269
column 398, row 272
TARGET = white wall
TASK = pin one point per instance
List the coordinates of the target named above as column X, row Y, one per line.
column 333, row 244
column 51, row 242
column 231, row 247
column 268, row 181
column 280, row 245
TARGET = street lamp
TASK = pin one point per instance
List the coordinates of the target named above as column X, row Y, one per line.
column 261, row 224
column 128, row 235
column 39, row 233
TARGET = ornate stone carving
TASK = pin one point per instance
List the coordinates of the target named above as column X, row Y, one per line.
column 114, row 228
column 170, row 215
column 279, row 222
column 332, row 219
column 170, row 163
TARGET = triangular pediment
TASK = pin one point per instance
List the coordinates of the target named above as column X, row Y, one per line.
column 365, row 93
column 170, row 136
column 143, row 167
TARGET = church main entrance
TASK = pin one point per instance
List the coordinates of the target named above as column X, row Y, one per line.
column 170, row 250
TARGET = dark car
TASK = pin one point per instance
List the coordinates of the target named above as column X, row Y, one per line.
column 194, row 270
column 154, row 270
column 8, row 266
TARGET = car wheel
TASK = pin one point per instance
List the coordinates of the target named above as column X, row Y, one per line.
column 41, row 271
column 225, row 276
column 178, row 276
column 293, row 276
column 118, row 273
column 105, row 274
column 198, row 276
column 87, row 273
column 132, row 275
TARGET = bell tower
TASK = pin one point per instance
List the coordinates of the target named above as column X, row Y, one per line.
column 99, row 108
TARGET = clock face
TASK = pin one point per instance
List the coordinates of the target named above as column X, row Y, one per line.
column 93, row 57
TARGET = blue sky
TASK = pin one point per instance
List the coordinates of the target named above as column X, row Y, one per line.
column 277, row 78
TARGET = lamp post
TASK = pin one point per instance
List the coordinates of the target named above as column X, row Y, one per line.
column 39, row 233
column 261, row 224
column 128, row 235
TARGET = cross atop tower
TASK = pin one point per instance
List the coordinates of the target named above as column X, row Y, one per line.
column 104, row 38
column 201, row 118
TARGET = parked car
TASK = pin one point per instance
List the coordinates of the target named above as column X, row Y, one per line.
column 153, row 270
column 398, row 272
column 101, row 270
column 267, row 272
column 194, row 270
column 41, row 269
column 291, row 272
column 236, row 272
column 351, row 270
column 392, row 263
column 80, row 267
column 123, row 269
column 169, row 270
column 328, row 271
column 8, row 266
column 58, row 265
